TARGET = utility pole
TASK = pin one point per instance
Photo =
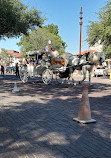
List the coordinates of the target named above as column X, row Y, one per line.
column 80, row 29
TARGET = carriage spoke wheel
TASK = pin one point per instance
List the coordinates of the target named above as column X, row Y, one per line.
column 47, row 76
column 24, row 74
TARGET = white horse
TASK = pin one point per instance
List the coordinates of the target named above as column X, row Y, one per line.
column 84, row 63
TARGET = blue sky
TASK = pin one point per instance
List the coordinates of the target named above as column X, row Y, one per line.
column 65, row 14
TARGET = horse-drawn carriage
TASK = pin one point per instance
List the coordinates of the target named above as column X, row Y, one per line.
column 47, row 67
column 41, row 64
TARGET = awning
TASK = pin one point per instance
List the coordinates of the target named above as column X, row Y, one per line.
column 86, row 51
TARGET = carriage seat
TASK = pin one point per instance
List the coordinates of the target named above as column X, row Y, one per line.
column 58, row 60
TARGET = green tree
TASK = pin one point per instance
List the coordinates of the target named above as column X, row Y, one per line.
column 17, row 19
column 55, row 30
column 52, row 29
column 38, row 39
column 101, row 30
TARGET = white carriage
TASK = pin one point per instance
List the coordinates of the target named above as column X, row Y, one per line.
column 43, row 65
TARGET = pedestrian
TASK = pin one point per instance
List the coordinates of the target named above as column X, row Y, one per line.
column 2, row 70
column 17, row 70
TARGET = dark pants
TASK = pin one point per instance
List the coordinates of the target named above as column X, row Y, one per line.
column 17, row 72
column 2, row 72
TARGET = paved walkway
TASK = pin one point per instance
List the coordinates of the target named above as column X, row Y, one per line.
column 37, row 122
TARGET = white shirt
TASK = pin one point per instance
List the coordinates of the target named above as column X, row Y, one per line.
column 54, row 53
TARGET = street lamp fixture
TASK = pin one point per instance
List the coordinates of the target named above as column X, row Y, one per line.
column 49, row 44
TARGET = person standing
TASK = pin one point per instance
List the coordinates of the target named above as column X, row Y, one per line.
column 17, row 70
column 2, row 70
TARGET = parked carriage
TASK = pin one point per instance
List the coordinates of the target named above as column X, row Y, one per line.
column 48, row 67
column 41, row 64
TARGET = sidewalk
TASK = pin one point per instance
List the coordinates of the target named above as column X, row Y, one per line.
column 37, row 122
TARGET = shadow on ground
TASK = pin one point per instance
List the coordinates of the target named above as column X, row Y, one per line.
column 45, row 128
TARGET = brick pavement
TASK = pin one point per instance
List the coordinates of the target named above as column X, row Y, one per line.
column 37, row 121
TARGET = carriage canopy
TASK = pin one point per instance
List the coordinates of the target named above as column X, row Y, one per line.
column 33, row 53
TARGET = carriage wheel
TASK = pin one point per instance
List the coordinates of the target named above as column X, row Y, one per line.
column 47, row 76
column 24, row 74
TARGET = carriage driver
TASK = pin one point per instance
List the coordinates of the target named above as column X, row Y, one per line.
column 54, row 53
column 56, row 58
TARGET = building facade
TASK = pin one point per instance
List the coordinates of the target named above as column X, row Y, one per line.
column 12, row 58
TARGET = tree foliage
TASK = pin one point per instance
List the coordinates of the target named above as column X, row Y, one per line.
column 17, row 19
column 38, row 39
column 54, row 30
column 101, row 30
